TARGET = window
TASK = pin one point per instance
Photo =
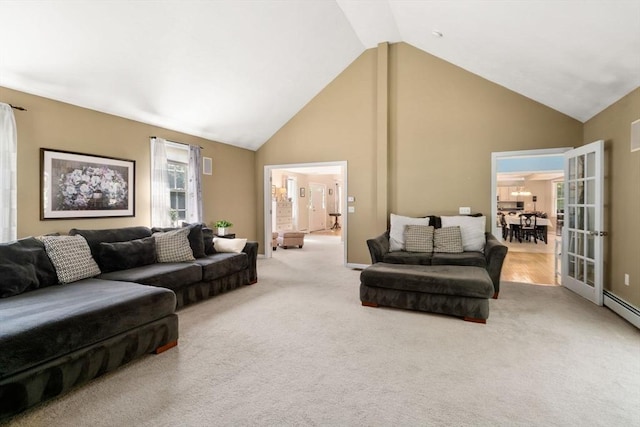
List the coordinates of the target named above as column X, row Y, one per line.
column 178, row 189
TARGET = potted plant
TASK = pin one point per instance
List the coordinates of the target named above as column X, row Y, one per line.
column 222, row 225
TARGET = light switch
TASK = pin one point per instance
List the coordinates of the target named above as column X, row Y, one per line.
column 465, row 210
column 352, row 209
column 351, row 199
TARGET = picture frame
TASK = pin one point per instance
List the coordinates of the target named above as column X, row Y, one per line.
column 302, row 192
column 77, row 185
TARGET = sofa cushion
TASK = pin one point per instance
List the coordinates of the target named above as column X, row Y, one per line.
column 411, row 258
column 207, row 237
column 472, row 230
column 71, row 257
column 418, row 238
column 95, row 237
column 166, row 275
column 173, row 246
column 124, row 255
column 447, row 239
column 476, row 259
column 24, row 266
column 434, row 279
column 37, row 326
column 222, row 264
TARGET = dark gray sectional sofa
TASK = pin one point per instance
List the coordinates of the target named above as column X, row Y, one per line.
column 54, row 336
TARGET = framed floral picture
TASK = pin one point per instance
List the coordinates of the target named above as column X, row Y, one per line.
column 76, row 185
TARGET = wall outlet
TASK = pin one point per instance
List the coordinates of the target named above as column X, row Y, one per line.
column 465, row 211
column 626, row 279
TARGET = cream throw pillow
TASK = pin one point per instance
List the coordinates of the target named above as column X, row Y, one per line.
column 229, row 245
column 472, row 230
column 396, row 232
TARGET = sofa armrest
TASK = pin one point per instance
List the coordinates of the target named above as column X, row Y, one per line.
column 251, row 249
column 494, row 252
column 378, row 247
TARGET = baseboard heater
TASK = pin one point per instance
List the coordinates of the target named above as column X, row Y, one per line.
column 622, row 308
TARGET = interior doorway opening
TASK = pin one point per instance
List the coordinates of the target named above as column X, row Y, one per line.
column 305, row 198
column 528, row 182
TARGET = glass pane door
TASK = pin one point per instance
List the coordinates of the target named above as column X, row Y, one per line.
column 582, row 235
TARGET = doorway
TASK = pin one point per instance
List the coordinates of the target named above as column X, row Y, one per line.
column 312, row 191
column 527, row 182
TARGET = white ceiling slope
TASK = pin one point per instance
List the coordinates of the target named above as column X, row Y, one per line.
column 237, row 71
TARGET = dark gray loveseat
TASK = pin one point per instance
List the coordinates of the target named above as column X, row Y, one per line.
column 491, row 259
column 54, row 337
column 455, row 280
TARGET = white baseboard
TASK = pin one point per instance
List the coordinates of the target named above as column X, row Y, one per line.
column 357, row 266
column 622, row 308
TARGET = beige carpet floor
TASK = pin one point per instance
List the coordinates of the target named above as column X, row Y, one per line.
column 298, row 349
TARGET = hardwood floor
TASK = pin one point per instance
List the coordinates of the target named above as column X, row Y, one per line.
column 527, row 267
column 531, row 263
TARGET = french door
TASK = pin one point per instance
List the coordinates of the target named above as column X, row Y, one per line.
column 582, row 234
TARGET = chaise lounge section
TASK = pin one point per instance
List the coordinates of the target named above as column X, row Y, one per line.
column 57, row 334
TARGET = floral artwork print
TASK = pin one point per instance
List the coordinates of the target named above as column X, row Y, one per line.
column 91, row 186
column 77, row 185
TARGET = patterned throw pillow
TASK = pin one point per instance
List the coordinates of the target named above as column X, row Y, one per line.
column 173, row 246
column 472, row 230
column 447, row 240
column 418, row 238
column 396, row 231
column 71, row 257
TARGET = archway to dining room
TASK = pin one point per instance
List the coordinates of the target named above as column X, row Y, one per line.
column 528, row 191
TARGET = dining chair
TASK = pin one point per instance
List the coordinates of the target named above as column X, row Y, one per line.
column 505, row 227
column 528, row 227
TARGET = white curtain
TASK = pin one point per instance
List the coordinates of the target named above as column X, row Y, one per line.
column 194, row 186
column 8, row 174
column 160, row 195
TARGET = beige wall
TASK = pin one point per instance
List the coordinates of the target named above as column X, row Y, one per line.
column 229, row 193
column 443, row 125
column 622, row 194
column 337, row 125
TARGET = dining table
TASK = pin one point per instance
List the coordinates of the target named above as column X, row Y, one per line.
column 513, row 222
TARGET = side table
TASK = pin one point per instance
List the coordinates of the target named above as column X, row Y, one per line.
column 226, row 236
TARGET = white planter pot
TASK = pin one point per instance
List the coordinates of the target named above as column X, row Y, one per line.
column 222, row 231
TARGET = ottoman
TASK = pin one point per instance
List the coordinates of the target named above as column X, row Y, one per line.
column 291, row 238
column 456, row 290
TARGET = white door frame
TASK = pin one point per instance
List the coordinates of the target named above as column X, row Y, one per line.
column 495, row 156
column 267, row 201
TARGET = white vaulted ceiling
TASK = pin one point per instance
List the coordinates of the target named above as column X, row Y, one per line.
column 236, row 71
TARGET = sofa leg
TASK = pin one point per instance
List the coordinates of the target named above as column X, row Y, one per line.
column 474, row 320
column 166, row 347
column 369, row 304
column 253, row 282
column 495, row 295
